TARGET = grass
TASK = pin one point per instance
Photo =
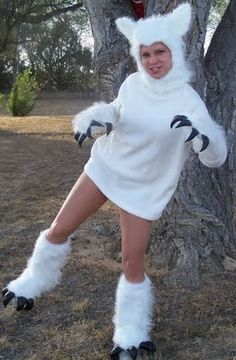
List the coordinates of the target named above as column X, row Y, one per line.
column 39, row 164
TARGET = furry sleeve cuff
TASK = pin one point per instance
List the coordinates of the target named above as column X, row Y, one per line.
column 100, row 112
column 216, row 152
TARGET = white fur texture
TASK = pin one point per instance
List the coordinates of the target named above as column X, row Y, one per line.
column 216, row 152
column 43, row 270
column 133, row 313
column 168, row 29
column 126, row 26
column 164, row 28
column 100, row 112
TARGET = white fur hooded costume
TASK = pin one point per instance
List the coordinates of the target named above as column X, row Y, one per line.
column 138, row 165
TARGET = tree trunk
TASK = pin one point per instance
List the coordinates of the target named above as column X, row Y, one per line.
column 112, row 62
column 221, row 99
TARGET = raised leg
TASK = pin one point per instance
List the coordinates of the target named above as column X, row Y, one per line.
column 84, row 199
column 52, row 247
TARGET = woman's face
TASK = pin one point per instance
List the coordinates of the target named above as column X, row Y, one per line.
column 156, row 59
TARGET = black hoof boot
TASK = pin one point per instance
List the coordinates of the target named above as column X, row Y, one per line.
column 21, row 302
column 115, row 353
column 146, row 350
column 120, row 354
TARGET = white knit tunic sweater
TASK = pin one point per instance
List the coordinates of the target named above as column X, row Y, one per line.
column 137, row 166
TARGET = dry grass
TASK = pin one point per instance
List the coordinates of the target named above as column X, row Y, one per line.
column 39, row 164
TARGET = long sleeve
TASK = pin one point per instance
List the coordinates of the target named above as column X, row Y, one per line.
column 216, row 152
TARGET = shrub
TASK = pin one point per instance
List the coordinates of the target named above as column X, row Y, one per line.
column 23, row 94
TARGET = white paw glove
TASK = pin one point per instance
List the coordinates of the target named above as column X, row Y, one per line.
column 196, row 137
column 98, row 118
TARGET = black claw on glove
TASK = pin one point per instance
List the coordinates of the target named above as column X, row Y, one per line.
column 109, row 127
column 205, row 142
column 22, row 303
column 193, row 134
column 184, row 121
column 93, row 123
column 77, row 135
column 81, row 137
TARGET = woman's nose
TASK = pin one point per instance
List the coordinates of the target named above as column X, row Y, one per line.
column 152, row 59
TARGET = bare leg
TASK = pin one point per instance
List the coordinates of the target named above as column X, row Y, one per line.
column 135, row 236
column 84, row 199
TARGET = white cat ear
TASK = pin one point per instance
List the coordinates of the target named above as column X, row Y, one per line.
column 180, row 18
column 126, row 26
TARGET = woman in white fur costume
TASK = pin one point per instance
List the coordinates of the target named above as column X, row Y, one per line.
column 149, row 129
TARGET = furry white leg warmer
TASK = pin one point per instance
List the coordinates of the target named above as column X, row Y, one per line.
column 43, row 270
column 133, row 312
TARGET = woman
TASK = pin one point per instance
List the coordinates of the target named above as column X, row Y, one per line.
column 149, row 129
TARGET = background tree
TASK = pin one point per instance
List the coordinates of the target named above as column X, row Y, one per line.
column 221, row 99
column 8, row 65
column 56, row 55
column 16, row 12
column 18, row 16
column 194, row 235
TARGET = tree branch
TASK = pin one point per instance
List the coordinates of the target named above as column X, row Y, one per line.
column 56, row 10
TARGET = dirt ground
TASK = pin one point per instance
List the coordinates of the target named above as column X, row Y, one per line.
column 39, row 163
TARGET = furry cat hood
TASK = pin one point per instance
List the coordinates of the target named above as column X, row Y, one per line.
column 168, row 29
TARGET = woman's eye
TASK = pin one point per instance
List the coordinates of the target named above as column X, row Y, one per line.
column 158, row 52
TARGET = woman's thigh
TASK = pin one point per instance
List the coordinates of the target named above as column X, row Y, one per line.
column 135, row 232
column 83, row 200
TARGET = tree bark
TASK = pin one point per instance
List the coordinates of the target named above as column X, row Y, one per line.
column 221, row 99
column 112, row 62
